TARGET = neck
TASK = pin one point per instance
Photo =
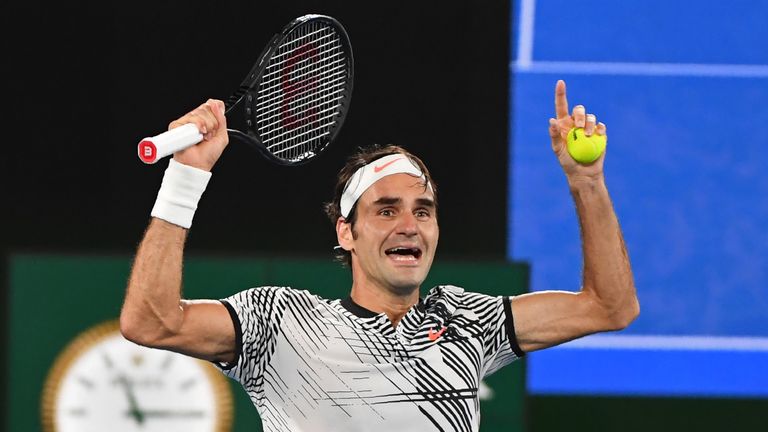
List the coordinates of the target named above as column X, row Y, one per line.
column 379, row 300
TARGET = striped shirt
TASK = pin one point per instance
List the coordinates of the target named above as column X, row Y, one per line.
column 312, row 364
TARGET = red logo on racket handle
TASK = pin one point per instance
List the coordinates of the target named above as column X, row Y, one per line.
column 147, row 151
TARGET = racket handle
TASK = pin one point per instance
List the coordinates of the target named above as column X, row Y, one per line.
column 152, row 149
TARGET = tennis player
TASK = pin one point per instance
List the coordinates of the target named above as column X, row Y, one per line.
column 389, row 356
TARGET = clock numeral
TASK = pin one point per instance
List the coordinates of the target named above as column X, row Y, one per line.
column 107, row 361
column 85, row 382
column 137, row 360
column 187, row 384
column 167, row 362
column 78, row 412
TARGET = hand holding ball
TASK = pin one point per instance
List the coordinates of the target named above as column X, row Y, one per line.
column 585, row 149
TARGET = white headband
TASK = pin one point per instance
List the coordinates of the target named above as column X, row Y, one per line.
column 369, row 174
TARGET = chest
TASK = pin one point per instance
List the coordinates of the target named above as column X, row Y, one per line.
column 337, row 351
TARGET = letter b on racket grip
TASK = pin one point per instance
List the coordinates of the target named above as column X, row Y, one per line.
column 152, row 149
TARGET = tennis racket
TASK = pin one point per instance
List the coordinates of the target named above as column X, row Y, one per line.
column 292, row 103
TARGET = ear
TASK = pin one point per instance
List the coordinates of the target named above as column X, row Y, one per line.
column 344, row 234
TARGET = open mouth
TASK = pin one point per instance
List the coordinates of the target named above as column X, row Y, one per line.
column 404, row 253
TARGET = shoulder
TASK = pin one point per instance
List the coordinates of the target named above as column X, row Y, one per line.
column 457, row 295
column 267, row 295
column 444, row 292
column 452, row 298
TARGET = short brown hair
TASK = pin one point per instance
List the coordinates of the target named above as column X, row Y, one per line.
column 362, row 157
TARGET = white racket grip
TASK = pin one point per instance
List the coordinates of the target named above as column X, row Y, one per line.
column 152, row 149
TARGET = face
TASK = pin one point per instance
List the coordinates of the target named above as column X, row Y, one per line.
column 395, row 234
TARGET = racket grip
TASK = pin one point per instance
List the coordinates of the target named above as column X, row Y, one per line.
column 152, row 149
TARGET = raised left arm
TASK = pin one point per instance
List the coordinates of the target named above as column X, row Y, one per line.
column 607, row 300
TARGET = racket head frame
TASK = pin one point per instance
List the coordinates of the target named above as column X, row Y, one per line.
column 241, row 105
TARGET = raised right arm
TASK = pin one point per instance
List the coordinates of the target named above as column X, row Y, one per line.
column 153, row 312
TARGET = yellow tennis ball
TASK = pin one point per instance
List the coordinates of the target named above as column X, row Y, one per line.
column 585, row 149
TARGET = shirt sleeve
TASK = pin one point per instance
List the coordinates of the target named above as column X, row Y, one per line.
column 256, row 314
column 500, row 346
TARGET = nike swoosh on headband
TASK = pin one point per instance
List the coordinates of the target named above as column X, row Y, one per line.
column 381, row 167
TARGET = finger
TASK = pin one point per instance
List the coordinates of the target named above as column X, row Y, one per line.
column 554, row 134
column 579, row 116
column 218, row 108
column 213, row 116
column 602, row 129
column 554, row 130
column 206, row 120
column 589, row 128
column 189, row 118
column 561, row 102
column 198, row 117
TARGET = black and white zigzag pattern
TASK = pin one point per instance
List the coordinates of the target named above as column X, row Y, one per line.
column 310, row 364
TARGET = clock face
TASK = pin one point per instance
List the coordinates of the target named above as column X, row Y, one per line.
column 103, row 382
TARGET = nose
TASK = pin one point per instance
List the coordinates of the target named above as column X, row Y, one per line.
column 407, row 224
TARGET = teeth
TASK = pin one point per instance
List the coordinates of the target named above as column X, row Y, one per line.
column 404, row 253
column 403, row 257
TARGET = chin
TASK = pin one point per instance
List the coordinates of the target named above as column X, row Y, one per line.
column 405, row 286
column 403, row 290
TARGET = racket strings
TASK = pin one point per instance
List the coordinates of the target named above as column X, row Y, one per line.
column 296, row 39
column 281, row 88
column 267, row 75
column 308, row 107
column 333, row 81
column 302, row 92
column 272, row 85
column 294, row 135
column 330, row 44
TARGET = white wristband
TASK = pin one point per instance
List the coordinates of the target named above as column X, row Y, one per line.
column 179, row 193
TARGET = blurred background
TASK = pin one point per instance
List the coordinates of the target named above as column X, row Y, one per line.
column 468, row 88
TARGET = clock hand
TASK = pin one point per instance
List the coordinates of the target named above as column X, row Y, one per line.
column 173, row 413
column 134, row 410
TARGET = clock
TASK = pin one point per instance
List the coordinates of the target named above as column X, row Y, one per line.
column 103, row 382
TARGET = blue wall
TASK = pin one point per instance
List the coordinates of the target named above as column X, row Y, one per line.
column 683, row 88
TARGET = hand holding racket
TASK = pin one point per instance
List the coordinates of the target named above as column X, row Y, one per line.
column 209, row 121
column 290, row 106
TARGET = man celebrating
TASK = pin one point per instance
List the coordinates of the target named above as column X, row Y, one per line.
column 384, row 358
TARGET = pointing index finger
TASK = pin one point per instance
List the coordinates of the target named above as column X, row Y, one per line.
column 561, row 102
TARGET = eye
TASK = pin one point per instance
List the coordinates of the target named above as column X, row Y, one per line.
column 422, row 213
column 386, row 212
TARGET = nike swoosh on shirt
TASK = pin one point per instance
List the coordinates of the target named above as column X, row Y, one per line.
column 381, row 167
column 434, row 335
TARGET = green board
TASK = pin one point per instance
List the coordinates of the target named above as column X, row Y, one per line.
column 53, row 298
